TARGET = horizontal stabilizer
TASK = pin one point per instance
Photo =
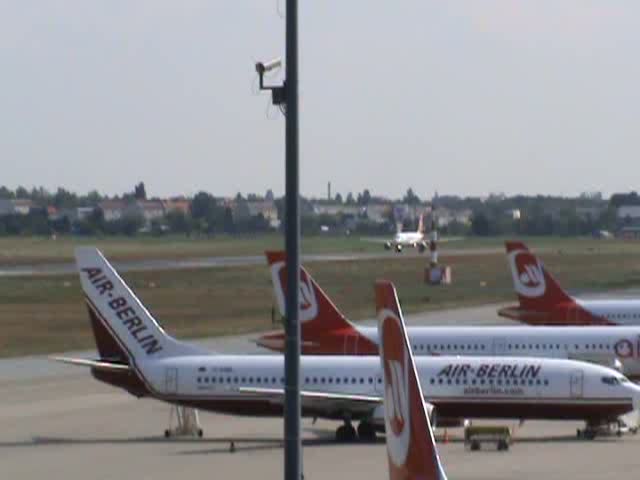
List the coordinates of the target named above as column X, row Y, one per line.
column 97, row 364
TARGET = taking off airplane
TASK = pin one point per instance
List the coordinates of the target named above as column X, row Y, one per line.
column 136, row 354
column 542, row 301
column 415, row 239
column 326, row 331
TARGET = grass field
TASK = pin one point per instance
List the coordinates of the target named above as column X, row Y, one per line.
column 37, row 250
column 46, row 314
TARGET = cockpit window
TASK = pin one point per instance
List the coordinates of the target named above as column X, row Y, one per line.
column 610, row 380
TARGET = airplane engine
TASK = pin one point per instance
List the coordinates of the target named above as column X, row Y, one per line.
column 387, row 246
column 398, row 248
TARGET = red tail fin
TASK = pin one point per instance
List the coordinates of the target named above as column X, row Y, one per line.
column 324, row 329
column 411, row 446
column 108, row 347
column 537, row 290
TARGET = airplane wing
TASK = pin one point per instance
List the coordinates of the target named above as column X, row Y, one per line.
column 322, row 400
column 380, row 240
column 449, row 239
column 97, row 364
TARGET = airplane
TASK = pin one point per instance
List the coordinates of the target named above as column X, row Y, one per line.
column 542, row 301
column 137, row 355
column 326, row 331
column 415, row 239
column 411, row 446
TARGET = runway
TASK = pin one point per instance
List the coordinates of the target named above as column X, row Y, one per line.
column 226, row 261
column 56, row 421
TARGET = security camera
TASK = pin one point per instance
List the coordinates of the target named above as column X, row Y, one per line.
column 261, row 68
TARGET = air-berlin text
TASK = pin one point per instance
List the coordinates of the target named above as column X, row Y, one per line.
column 488, row 370
column 125, row 313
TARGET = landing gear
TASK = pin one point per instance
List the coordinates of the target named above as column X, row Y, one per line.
column 366, row 432
column 346, row 433
column 187, row 423
column 588, row 433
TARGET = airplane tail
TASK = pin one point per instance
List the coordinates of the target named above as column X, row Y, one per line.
column 123, row 327
column 324, row 329
column 536, row 288
column 411, row 446
column 542, row 301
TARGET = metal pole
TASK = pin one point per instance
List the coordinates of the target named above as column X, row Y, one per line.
column 292, row 447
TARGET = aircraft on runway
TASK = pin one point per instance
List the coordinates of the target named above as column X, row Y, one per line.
column 415, row 239
column 411, row 447
column 326, row 331
column 137, row 355
column 542, row 301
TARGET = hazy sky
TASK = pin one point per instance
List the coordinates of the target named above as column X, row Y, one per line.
column 466, row 97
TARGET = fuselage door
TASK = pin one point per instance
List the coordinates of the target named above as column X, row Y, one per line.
column 499, row 346
column 379, row 384
column 171, row 380
column 576, row 384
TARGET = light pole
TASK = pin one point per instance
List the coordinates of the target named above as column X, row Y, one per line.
column 287, row 94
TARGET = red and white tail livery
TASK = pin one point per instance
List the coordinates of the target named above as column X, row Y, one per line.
column 324, row 329
column 542, row 301
column 411, row 446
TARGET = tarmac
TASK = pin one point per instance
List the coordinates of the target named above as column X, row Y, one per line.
column 68, row 268
column 56, row 421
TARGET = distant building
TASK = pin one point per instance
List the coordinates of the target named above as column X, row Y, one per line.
column 112, row 209
column 335, row 209
column 177, row 205
column 514, row 214
column 628, row 214
column 148, row 209
column 266, row 208
column 378, row 212
column 445, row 216
column 18, row 206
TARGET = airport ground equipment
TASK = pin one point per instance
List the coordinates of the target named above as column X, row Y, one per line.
column 475, row 436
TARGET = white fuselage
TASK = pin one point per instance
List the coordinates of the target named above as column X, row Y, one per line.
column 457, row 387
column 408, row 238
column 619, row 311
column 599, row 344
